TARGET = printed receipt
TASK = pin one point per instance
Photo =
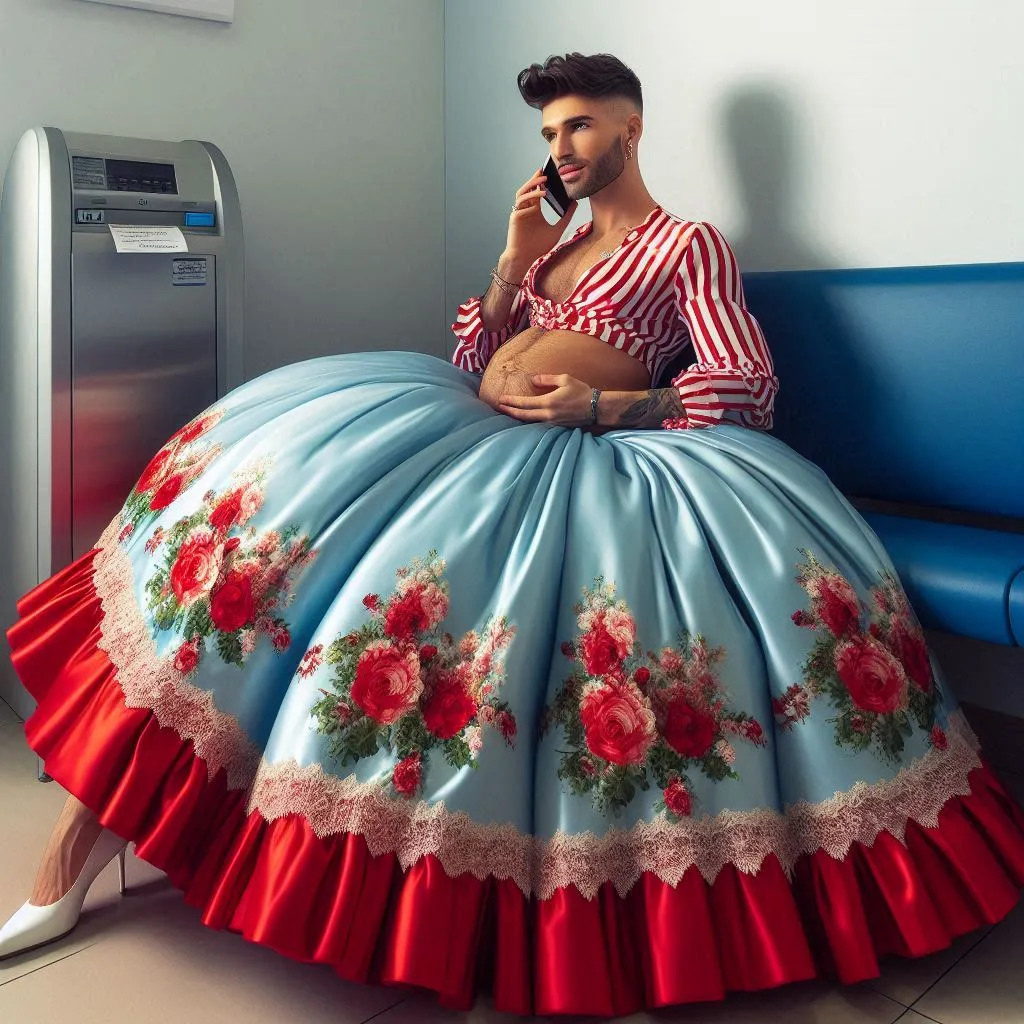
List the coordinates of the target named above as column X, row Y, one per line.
column 143, row 238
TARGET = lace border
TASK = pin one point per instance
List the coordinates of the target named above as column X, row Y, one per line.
column 411, row 830
column 153, row 683
column 541, row 867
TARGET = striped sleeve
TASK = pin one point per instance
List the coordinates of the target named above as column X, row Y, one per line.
column 733, row 378
column 476, row 343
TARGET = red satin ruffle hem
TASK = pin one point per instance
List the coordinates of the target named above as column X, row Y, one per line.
column 328, row 901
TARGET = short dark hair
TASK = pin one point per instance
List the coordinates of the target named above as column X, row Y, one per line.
column 599, row 76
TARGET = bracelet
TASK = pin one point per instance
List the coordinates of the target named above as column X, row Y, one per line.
column 594, row 396
column 506, row 286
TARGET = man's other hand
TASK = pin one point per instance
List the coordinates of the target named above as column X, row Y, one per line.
column 567, row 405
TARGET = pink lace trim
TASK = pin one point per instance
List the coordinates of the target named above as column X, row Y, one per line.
column 151, row 682
column 540, row 867
column 413, row 829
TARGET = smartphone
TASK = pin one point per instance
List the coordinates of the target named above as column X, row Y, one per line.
column 556, row 196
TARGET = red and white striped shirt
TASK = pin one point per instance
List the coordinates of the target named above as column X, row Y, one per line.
column 670, row 284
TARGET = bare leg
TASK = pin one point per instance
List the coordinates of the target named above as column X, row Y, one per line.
column 72, row 838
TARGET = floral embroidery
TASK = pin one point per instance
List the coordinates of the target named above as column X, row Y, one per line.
column 792, row 707
column 178, row 463
column 402, row 686
column 879, row 678
column 627, row 723
column 222, row 580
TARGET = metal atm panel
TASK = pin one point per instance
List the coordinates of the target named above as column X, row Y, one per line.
column 103, row 355
column 143, row 357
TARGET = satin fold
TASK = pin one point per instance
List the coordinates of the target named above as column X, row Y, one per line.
column 327, row 900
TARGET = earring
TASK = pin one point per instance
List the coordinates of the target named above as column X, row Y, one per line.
column 629, row 149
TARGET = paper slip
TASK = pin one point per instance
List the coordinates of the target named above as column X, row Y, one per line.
column 143, row 238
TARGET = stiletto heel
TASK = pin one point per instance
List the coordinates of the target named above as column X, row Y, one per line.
column 33, row 926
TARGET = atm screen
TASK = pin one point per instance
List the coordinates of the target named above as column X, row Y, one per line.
column 123, row 175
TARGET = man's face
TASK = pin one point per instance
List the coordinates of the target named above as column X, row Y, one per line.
column 586, row 134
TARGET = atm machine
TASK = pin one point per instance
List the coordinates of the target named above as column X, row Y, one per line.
column 103, row 354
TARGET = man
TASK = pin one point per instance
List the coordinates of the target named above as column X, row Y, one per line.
column 647, row 284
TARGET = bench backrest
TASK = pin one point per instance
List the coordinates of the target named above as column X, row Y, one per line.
column 903, row 384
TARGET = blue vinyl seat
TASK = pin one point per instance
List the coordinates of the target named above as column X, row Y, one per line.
column 906, row 385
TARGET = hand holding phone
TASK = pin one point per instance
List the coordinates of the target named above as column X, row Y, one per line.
column 556, row 195
column 530, row 235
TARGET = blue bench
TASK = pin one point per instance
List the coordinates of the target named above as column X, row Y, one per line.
column 906, row 386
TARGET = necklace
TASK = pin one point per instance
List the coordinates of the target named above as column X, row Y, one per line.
column 608, row 253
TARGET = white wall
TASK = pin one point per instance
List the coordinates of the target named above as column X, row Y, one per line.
column 877, row 133
column 330, row 113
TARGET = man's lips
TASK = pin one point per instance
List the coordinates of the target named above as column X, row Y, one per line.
column 569, row 170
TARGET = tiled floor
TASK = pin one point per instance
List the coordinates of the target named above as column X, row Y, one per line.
column 145, row 959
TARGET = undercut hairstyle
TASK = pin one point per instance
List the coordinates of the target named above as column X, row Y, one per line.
column 599, row 76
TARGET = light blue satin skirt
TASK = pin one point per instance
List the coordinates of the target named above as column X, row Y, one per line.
column 374, row 579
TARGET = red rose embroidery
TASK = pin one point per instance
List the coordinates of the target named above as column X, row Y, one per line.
column 187, row 658
column 231, row 605
column 227, row 512
column 371, row 602
column 167, row 492
column 599, row 650
column 197, row 566
column 837, row 605
column 407, row 775
column 428, row 652
column 406, row 616
column 940, row 741
column 191, row 431
column 507, row 726
column 677, row 799
column 752, row 731
column 913, row 652
column 801, row 618
column 450, row 707
column 642, row 676
column 875, row 679
column 686, row 730
column 793, row 706
column 281, row 639
column 618, row 723
column 153, row 475
column 434, row 603
column 387, row 683
column 311, row 661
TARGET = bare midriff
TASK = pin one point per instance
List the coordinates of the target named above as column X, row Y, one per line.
column 537, row 350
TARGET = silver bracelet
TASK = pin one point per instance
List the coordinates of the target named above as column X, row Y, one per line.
column 594, row 396
column 506, row 286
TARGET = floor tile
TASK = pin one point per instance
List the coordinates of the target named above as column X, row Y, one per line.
column 151, row 953
column 1001, row 736
column 811, row 1003
column 913, row 1017
column 907, row 979
column 7, row 715
column 987, row 985
column 28, row 809
column 1014, row 784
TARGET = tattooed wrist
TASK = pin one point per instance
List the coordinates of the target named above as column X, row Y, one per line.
column 650, row 408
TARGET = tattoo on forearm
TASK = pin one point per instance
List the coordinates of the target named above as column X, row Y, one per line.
column 655, row 406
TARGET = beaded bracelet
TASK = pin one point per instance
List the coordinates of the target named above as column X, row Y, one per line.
column 506, row 286
column 595, row 394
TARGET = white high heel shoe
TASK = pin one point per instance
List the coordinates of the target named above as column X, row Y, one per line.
column 33, row 926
